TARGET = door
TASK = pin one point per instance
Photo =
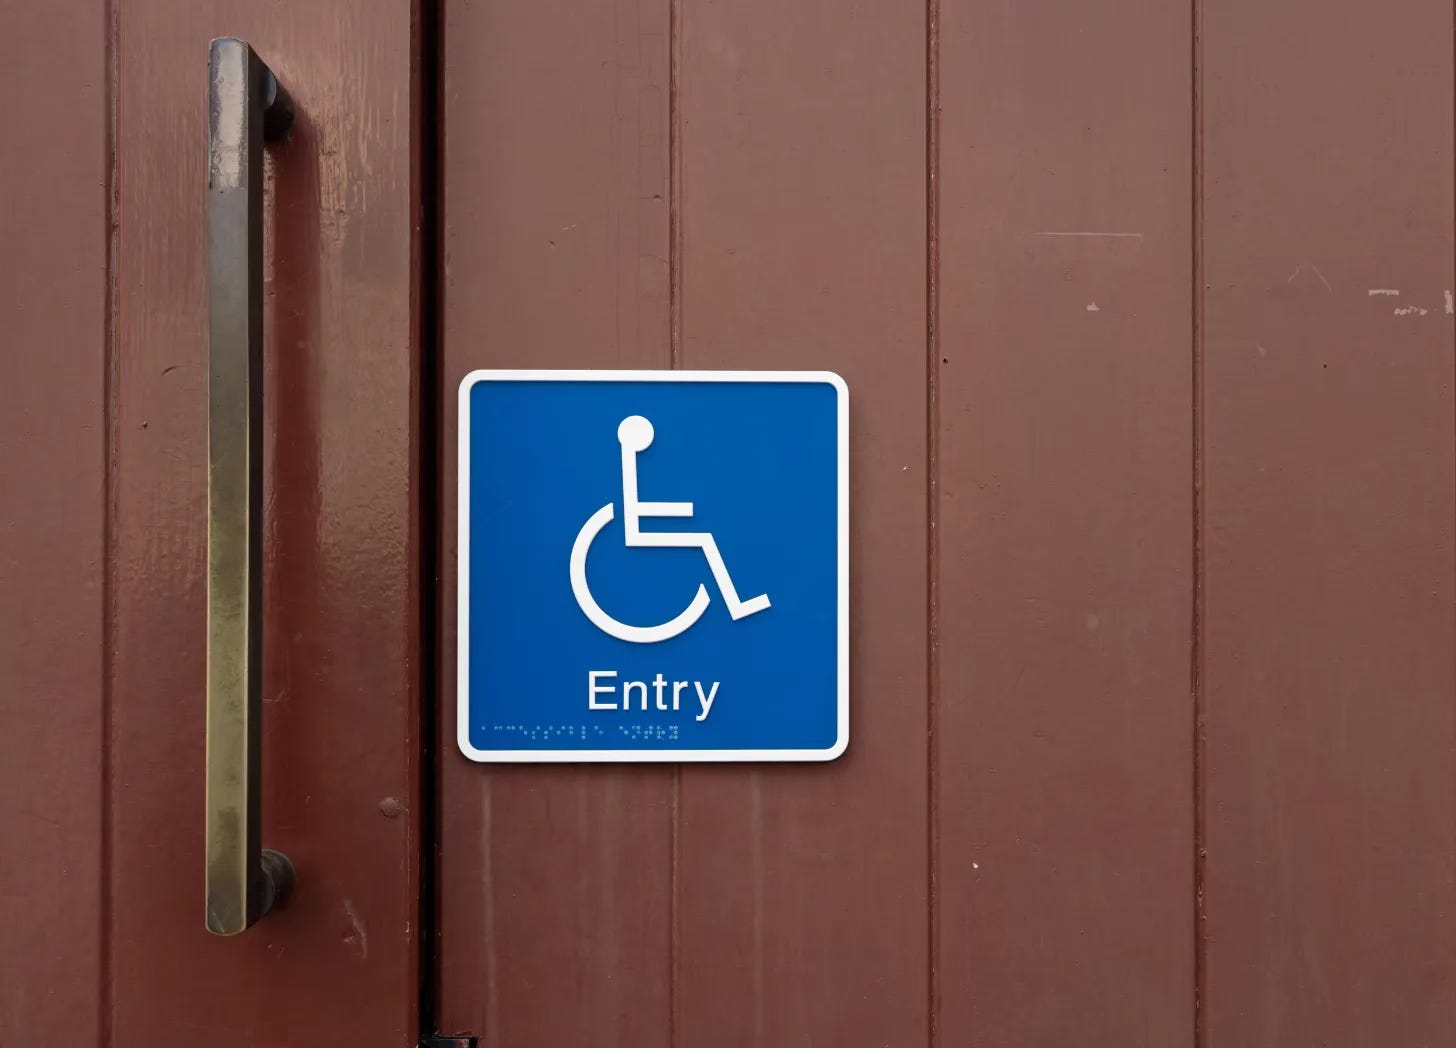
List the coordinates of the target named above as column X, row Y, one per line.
column 1005, row 854
column 105, row 439
column 1146, row 320
column 1144, row 313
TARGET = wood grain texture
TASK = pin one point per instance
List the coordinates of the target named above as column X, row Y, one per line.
column 1064, row 390
column 53, row 289
column 555, row 882
column 341, row 542
column 1331, row 730
column 801, row 902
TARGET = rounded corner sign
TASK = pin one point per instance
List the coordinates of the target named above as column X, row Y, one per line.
column 653, row 566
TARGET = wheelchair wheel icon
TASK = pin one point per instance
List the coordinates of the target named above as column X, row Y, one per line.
column 635, row 435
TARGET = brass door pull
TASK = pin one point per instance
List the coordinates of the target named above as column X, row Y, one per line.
column 246, row 104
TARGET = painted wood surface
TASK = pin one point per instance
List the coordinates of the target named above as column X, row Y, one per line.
column 1146, row 317
column 1329, row 577
column 1152, row 690
column 103, row 523
column 53, row 499
column 1064, row 407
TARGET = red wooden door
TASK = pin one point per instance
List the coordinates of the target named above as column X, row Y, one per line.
column 1146, row 313
column 103, row 439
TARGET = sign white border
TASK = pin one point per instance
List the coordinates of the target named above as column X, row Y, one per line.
column 462, row 629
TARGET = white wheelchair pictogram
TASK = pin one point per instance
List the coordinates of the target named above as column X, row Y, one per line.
column 635, row 435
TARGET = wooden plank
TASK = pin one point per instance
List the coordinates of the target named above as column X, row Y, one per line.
column 53, row 298
column 801, row 895
column 1064, row 393
column 1331, row 731
column 554, row 881
column 342, row 590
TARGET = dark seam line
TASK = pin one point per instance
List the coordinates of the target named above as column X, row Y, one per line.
column 1200, row 944
column 675, row 362
column 932, row 490
column 111, row 103
column 430, row 421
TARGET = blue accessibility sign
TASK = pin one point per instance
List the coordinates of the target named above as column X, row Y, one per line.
column 654, row 566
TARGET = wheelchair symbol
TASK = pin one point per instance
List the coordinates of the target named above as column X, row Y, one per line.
column 635, row 435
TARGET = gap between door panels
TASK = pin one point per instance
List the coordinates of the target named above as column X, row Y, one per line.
column 428, row 94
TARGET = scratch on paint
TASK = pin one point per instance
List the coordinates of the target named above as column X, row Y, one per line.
column 1313, row 269
column 1382, row 291
column 1085, row 233
column 358, row 935
column 1093, row 307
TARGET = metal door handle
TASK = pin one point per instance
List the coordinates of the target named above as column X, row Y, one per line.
column 246, row 104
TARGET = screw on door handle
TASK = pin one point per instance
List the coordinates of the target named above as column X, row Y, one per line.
column 246, row 105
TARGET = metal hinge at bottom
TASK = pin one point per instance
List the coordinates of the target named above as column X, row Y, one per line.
column 440, row 1040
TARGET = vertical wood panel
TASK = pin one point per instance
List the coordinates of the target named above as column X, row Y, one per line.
column 341, row 551
column 1064, row 730
column 555, row 881
column 802, row 890
column 53, row 225
column 1331, row 769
